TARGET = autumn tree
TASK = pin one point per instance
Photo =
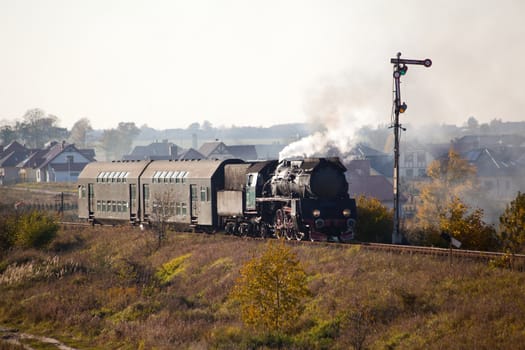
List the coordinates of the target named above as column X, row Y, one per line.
column 468, row 226
column 450, row 177
column 374, row 221
column 512, row 225
column 271, row 289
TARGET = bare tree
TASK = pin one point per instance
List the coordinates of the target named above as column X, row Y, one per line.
column 79, row 132
column 163, row 209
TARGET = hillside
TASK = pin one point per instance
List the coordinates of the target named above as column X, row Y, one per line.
column 108, row 288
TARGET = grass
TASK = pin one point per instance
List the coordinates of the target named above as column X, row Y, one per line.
column 102, row 288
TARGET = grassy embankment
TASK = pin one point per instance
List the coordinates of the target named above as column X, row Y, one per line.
column 107, row 288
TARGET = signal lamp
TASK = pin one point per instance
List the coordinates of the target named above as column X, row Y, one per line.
column 403, row 108
column 403, row 69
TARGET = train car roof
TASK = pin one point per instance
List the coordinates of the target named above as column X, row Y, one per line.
column 132, row 168
column 256, row 167
column 196, row 169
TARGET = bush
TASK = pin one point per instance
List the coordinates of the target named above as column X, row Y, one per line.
column 35, row 230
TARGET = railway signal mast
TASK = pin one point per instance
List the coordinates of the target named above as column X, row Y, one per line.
column 400, row 69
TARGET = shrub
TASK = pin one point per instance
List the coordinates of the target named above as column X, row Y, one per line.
column 35, row 230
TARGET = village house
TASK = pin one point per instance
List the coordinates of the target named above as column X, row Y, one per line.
column 58, row 162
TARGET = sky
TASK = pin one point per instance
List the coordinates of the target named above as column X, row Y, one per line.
column 167, row 64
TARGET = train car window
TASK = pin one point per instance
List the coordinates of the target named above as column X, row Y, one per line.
column 113, row 206
column 103, row 206
column 163, row 176
column 119, row 206
column 168, row 177
column 100, row 176
column 183, row 208
column 204, row 194
column 99, row 206
column 178, row 208
column 125, row 206
column 156, row 176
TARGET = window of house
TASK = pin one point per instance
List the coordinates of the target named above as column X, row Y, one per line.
column 409, row 172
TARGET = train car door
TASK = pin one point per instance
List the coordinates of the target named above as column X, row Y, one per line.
column 194, row 204
column 145, row 200
column 91, row 199
column 132, row 204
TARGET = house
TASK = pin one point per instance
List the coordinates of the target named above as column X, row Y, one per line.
column 414, row 160
column 500, row 177
column 218, row 150
column 494, row 142
column 10, row 156
column 59, row 162
column 154, row 151
column 189, row 154
column 364, row 181
column 215, row 150
column 381, row 162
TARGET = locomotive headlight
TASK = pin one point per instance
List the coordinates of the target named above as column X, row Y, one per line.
column 316, row 213
column 347, row 212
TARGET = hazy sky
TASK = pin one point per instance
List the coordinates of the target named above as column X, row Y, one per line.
column 241, row 62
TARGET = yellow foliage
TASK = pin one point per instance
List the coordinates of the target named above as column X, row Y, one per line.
column 271, row 289
column 172, row 268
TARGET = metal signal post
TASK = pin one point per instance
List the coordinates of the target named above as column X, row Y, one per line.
column 400, row 69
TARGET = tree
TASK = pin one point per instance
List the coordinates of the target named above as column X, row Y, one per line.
column 450, row 177
column 512, row 225
column 374, row 221
column 117, row 142
column 163, row 209
column 7, row 134
column 38, row 128
column 79, row 132
column 472, row 123
column 271, row 289
column 468, row 228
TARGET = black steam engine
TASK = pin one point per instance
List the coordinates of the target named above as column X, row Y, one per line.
column 295, row 199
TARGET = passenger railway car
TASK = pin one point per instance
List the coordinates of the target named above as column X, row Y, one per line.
column 295, row 199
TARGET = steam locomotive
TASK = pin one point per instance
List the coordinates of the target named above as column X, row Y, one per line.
column 293, row 199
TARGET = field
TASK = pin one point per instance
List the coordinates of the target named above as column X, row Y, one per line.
column 101, row 288
column 115, row 288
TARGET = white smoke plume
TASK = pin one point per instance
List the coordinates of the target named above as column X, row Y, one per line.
column 336, row 110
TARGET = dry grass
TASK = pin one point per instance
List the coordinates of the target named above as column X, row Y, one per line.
column 112, row 288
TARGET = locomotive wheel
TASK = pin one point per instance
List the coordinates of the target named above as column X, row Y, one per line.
column 263, row 230
column 278, row 223
column 289, row 229
column 299, row 235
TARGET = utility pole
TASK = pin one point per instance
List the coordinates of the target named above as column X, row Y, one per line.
column 400, row 69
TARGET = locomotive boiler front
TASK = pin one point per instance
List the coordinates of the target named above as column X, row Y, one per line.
column 310, row 178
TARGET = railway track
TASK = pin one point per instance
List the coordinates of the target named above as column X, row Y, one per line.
column 517, row 260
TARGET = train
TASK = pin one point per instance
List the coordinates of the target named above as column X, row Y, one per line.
column 302, row 198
